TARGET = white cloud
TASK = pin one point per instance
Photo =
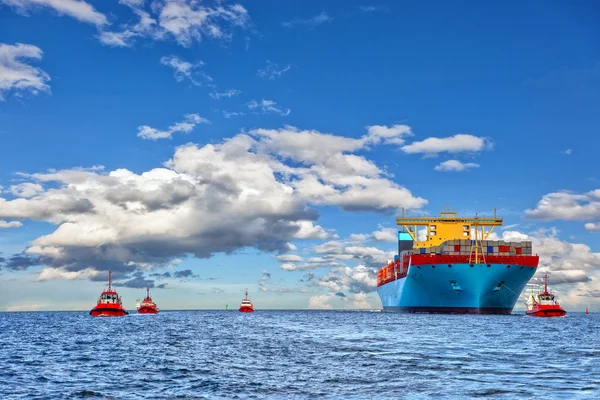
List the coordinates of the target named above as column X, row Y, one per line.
column 10, row 224
column 313, row 21
column 186, row 22
column 331, row 247
column 453, row 144
column 228, row 93
column 360, row 279
column 358, row 237
column 568, row 151
column 120, row 220
column 389, row 135
column 273, row 71
column 133, row 3
column 116, row 39
column 357, row 301
column 78, row 9
column 266, row 107
column 320, row 302
column 371, row 257
column 184, row 69
column 48, row 274
column 592, row 226
column 228, row 114
column 364, row 251
column 17, row 76
column 174, row 263
column 568, row 206
column 328, row 169
column 455, row 165
column 189, row 22
column 186, row 126
column 289, row 258
column 386, row 235
column 27, row 189
column 309, row 231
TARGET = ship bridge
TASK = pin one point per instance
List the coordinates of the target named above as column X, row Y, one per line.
column 447, row 227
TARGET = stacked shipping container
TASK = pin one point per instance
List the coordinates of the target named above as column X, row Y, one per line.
column 466, row 247
column 395, row 270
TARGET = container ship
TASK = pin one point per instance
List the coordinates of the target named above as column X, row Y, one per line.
column 455, row 269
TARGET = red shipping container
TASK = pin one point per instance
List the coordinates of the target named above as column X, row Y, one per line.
column 503, row 249
column 457, row 247
column 518, row 250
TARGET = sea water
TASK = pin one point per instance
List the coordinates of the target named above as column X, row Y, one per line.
column 297, row 354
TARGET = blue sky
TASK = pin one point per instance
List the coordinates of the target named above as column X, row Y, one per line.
column 291, row 126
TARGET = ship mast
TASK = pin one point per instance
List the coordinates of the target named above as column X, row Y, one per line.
column 109, row 281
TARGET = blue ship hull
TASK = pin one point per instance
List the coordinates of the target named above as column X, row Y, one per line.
column 460, row 288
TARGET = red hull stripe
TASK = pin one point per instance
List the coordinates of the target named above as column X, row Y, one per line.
column 523, row 261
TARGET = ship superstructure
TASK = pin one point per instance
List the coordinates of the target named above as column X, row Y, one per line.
column 454, row 268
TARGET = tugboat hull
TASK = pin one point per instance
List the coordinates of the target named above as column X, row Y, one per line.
column 147, row 310
column 246, row 309
column 108, row 312
column 548, row 312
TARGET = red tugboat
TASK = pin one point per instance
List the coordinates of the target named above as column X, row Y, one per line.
column 545, row 305
column 148, row 306
column 109, row 303
column 246, row 305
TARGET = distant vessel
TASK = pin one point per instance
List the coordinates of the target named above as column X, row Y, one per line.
column 455, row 269
column 148, row 306
column 586, row 310
column 246, row 305
column 137, row 304
column 545, row 304
column 109, row 303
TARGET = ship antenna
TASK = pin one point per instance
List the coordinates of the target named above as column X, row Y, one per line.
column 546, row 283
column 147, row 291
column 109, row 280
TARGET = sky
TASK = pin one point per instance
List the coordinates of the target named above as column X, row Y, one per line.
column 206, row 147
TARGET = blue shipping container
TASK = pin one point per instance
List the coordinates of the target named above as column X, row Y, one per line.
column 490, row 249
column 422, row 250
